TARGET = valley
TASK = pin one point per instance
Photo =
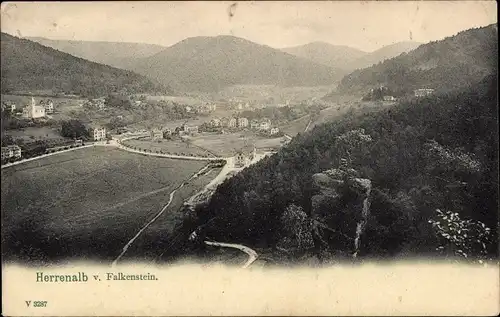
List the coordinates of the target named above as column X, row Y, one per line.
column 217, row 144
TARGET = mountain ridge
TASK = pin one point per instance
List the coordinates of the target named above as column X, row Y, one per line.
column 27, row 65
column 116, row 54
column 447, row 64
column 212, row 63
column 346, row 57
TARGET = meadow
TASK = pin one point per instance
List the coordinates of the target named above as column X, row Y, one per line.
column 85, row 204
column 228, row 144
column 163, row 238
column 176, row 147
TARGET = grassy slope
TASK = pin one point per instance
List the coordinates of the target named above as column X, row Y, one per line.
column 69, row 204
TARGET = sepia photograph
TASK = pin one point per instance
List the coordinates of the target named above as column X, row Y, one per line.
column 175, row 158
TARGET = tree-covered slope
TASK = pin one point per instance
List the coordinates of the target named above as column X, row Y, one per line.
column 419, row 159
column 213, row 63
column 447, row 64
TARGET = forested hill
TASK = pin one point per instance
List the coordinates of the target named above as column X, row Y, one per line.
column 422, row 163
column 212, row 63
column 29, row 66
column 451, row 63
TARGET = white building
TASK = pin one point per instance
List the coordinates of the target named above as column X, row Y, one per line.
column 156, row 134
column 11, row 151
column 32, row 111
column 215, row 122
column 244, row 156
column 274, row 131
column 49, row 106
column 99, row 103
column 389, row 98
column 232, row 123
column 423, row 92
column 242, row 122
column 97, row 133
column 192, row 130
column 265, row 124
column 254, row 124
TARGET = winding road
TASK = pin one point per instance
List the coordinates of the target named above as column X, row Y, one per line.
column 252, row 255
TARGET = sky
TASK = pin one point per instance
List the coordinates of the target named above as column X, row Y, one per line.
column 366, row 25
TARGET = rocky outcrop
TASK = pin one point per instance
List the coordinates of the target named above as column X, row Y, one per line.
column 339, row 210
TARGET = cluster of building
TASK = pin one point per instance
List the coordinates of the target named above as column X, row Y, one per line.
column 164, row 133
column 229, row 122
column 423, row 92
column 160, row 133
column 8, row 106
column 202, row 109
column 11, row 151
column 32, row 110
column 188, row 130
column 264, row 125
column 389, row 98
column 207, row 108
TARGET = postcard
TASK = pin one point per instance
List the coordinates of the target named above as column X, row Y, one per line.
column 249, row 158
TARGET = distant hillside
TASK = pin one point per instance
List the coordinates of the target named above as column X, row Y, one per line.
column 451, row 63
column 27, row 66
column 116, row 54
column 212, row 63
column 336, row 56
column 348, row 58
column 382, row 54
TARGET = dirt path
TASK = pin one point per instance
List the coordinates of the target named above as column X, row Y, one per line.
column 171, row 198
column 308, row 124
column 252, row 255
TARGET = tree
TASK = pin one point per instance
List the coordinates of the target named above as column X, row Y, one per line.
column 464, row 238
column 296, row 230
column 74, row 129
column 116, row 123
column 351, row 143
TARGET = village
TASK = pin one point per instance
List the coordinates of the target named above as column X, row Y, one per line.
column 202, row 120
column 205, row 122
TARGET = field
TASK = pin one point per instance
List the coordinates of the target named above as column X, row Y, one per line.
column 176, row 147
column 158, row 241
column 34, row 133
column 275, row 93
column 228, row 144
column 185, row 100
column 296, row 126
column 87, row 203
